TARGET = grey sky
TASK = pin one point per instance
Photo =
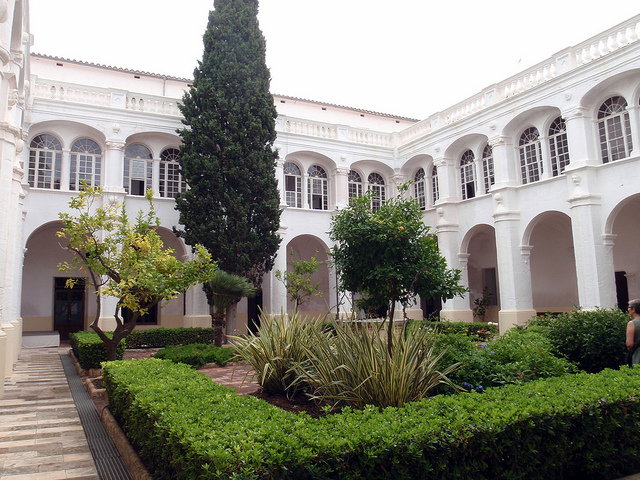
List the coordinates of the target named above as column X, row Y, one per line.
column 407, row 57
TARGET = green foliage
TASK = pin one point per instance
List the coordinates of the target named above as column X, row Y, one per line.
column 223, row 290
column 227, row 156
column 593, row 340
column 388, row 255
column 353, row 366
column 573, row 427
column 90, row 350
column 480, row 332
column 125, row 260
column 481, row 304
column 196, row 355
column 275, row 349
column 165, row 337
column 517, row 357
column 297, row 281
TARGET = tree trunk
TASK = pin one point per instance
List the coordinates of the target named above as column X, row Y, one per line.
column 217, row 323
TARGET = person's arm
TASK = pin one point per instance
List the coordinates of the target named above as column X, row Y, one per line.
column 631, row 334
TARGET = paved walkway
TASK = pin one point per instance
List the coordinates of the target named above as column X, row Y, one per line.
column 41, row 437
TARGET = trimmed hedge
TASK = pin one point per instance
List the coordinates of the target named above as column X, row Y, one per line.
column 184, row 426
column 166, row 337
column 90, row 350
column 196, row 355
column 478, row 331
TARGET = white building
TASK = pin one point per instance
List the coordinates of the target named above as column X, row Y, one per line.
column 532, row 185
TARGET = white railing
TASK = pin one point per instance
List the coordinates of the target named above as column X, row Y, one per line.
column 150, row 104
column 72, row 93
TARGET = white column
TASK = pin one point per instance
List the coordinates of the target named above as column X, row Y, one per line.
column 593, row 250
column 155, row 177
column 456, row 309
column 635, row 125
column 342, row 187
column 447, row 180
column 546, row 157
column 280, row 179
column 277, row 301
column 514, row 272
column 114, row 166
column 506, row 167
column 581, row 138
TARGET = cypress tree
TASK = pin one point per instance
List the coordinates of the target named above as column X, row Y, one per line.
column 227, row 156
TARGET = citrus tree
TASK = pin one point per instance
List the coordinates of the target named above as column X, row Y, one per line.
column 126, row 260
column 298, row 282
column 388, row 254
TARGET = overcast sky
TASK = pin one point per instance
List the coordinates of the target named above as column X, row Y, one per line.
column 404, row 57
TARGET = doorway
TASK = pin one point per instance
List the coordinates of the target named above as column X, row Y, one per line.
column 68, row 307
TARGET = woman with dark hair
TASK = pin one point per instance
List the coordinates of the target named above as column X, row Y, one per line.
column 633, row 339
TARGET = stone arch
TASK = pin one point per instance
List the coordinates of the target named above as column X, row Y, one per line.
column 548, row 243
column 479, row 244
column 622, row 231
column 304, row 247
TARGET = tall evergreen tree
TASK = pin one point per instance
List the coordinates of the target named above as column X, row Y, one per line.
column 227, row 156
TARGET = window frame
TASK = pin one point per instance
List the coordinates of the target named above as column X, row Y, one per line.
column 468, row 174
column 317, row 188
column 376, row 184
column 293, row 197
column 171, row 182
column 132, row 165
column 530, row 154
column 45, row 162
column 613, row 118
column 85, row 163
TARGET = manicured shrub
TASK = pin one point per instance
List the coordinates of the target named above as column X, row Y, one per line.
column 354, row 366
column 166, row 337
column 196, row 355
column 519, row 356
column 572, row 427
column 593, row 340
column 480, row 331
column 90, row 350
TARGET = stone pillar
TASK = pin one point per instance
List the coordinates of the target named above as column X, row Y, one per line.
column 547, row 172
column 278, row 294
column 635, row 124
column 580, row 138
column 447, row 180
column 514, row 272
column 506, row 167
column 456, row 309
column 66, row 169
column 155, row 177
column 593, row 250
column 342, row 187
column 114, row 166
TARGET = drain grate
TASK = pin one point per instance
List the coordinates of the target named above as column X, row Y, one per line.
column 109, row 463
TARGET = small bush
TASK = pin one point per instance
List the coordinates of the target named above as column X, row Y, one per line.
column 196, row 355
column 90, row 350
column 480, row 332
column 353, row 367
column 593, row 340
column 166, row 337
column 519, row 356
column 274, row 350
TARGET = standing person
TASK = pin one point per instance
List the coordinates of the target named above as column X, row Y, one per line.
column 633, row 332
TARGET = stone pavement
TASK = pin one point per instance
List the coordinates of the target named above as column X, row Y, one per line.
column 41, row 437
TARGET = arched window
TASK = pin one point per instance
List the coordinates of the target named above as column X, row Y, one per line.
column 86, row 164
column 467, row 175
column 138, row 169
column 376, row 184
column 558, row 146
column 488, row 174
column 614, row 129
column 318, row 188
column 292, row 185
column 418, row 189
column 45, row 162
column 435, row 188
column 171, row 182
column 355, row 185
column 530, row 155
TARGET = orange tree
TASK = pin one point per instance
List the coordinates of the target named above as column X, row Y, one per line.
column 388, row 254
column 125, row 259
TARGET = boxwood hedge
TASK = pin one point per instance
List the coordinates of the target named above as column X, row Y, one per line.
column 573, row 427
column 90, row 350
column 165, row 337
